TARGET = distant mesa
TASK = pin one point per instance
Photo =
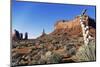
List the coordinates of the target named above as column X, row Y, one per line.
column 26, row 36
column 19, row 36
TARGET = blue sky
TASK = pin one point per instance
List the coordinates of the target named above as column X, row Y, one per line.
column 32, row 17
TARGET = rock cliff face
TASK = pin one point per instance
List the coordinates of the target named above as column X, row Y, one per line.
column 64, row 24
column 73, row 27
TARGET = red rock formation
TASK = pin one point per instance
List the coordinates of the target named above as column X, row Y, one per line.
column 73, row 27
column 16, row 35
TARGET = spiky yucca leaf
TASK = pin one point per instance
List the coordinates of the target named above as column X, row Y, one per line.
column 87, row 53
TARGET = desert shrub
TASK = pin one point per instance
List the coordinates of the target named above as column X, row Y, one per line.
column 34, row 62
column 70, row 49
column 42, row 61
column 55, row 58
column 86, row 53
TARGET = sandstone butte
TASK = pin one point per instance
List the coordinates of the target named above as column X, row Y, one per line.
column 73, row 27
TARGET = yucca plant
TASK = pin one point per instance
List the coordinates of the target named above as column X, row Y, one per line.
column 87, row 53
